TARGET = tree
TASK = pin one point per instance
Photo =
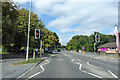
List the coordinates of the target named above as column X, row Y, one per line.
column 15, row 29
column 9, row 17
column 88, row 41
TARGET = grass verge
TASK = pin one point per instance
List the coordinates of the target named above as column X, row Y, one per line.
column 5, row 52
column 46, row 54
column 36, row 60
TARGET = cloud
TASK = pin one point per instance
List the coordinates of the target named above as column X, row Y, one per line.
column 21, row 1
column 87, row 16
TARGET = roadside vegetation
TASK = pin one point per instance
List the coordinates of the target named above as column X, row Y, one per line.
column 78, row 41
column 31, row 60
column 15, row 26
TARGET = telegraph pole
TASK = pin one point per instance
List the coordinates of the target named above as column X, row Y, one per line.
column 27, row 54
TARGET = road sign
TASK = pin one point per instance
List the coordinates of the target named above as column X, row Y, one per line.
column 36, row 50
column 83, row 48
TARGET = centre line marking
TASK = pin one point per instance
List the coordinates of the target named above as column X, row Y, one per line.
column 80, row 68
column 94, row 65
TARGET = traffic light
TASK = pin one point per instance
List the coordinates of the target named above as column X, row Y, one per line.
column 97, row 38
column 37, row 33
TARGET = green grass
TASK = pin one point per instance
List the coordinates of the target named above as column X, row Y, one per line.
column 5, row 52
column 36, row 60
column 46, row 54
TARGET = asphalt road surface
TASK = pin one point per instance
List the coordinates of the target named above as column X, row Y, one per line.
column 67, row 64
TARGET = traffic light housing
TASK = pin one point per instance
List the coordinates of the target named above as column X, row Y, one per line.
column 37, row 33
column 41, row 34
column 97, row 38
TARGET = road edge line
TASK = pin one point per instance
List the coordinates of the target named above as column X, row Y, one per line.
column 30, row 69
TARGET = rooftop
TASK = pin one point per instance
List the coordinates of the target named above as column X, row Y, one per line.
column 108, row 45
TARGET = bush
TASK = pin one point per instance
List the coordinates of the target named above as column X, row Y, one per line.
column 4, row 49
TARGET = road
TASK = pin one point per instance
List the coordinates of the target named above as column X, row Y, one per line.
column 67, row 64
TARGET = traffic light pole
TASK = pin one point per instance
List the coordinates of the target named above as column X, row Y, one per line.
column 94, row 47
column 40, row 49
column 28, row 34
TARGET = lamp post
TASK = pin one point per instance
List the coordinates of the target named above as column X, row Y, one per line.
column 28, row 34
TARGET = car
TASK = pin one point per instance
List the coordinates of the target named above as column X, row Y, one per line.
column 58, row 50
column 48, row 50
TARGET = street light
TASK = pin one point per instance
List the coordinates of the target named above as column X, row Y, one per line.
column 28, row 34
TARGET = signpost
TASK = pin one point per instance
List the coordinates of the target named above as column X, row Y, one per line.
column 83, row 48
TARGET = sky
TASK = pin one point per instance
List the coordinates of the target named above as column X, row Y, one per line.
column 75, row 17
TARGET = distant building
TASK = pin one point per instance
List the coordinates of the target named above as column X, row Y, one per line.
column 108, row 48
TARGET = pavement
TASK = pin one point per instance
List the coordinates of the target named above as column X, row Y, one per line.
column 13, row 71
column 66, row 64
column 108, row 58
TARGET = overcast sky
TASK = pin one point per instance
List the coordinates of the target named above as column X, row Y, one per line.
column 75, row 17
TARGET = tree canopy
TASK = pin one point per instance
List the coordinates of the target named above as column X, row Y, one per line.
column 78, row 41
column 15, row 29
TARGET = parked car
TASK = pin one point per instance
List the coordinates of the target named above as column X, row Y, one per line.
column 48, row 50
column 58, row 50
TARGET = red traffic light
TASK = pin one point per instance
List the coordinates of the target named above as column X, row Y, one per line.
column 36, row 33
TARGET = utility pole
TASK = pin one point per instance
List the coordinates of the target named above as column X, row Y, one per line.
column 27, row 54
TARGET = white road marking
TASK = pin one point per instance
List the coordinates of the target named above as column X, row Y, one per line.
column 94, row 74
column 40, row 71
column 73, row 60
column 26, row 72
column 80, row 68
column 94, row 65
column 87, row 62
column 64, row 54
column 112, row 74
column 79, row 59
